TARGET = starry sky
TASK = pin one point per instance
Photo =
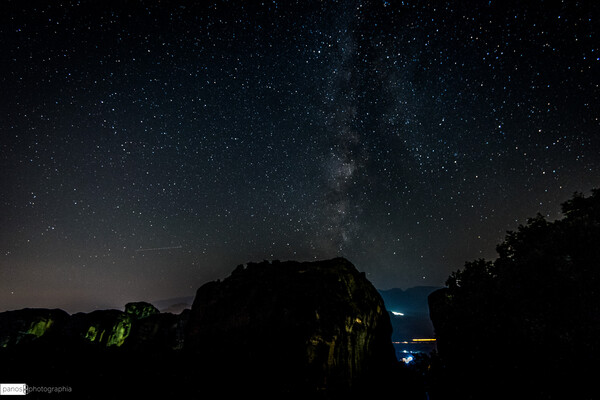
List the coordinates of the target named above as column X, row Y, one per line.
column 147, row 147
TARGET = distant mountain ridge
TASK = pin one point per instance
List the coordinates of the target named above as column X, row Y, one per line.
column 410, row 301
column 174, row 305
column 409, row 315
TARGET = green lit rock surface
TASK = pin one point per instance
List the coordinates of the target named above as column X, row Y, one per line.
column 38, row 328
column 140, row 310
column 120, row 331
column 101, row 327
column 25, row 325
column 92, row 334
column 140, row 326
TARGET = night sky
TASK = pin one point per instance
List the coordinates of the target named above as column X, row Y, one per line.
column 147, row 147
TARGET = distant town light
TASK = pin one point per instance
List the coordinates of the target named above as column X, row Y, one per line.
column 397, row 313
column 407, row 359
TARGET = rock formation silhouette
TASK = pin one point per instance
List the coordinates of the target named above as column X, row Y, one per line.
column 297, row 330
column 293, row 328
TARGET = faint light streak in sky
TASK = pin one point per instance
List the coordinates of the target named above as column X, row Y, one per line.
column 159, row 248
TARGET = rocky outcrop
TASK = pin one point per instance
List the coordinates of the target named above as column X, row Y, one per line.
column 140, row 310
column 289, row 327
column 159, row 332
column 139, row 326
column 23, row 326
column 274, row 329
column 101, row 327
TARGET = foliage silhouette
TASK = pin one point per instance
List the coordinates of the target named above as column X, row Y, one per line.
column 528, row 323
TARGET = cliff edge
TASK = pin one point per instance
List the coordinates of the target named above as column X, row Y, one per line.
column 293, row 328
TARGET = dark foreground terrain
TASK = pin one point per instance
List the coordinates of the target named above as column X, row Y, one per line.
column 280, row 329
column 526, row 325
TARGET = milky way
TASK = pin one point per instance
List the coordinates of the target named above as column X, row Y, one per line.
column 149, row 147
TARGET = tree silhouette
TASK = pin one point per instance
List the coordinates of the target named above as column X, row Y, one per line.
column 530, row 320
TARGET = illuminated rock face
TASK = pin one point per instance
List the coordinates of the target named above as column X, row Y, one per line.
column 22, row 326
column 102, row 327
column 140, row 310
column 141, row 326
column 301, row 327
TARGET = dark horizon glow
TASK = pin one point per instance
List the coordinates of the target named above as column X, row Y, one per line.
column 149, row 147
